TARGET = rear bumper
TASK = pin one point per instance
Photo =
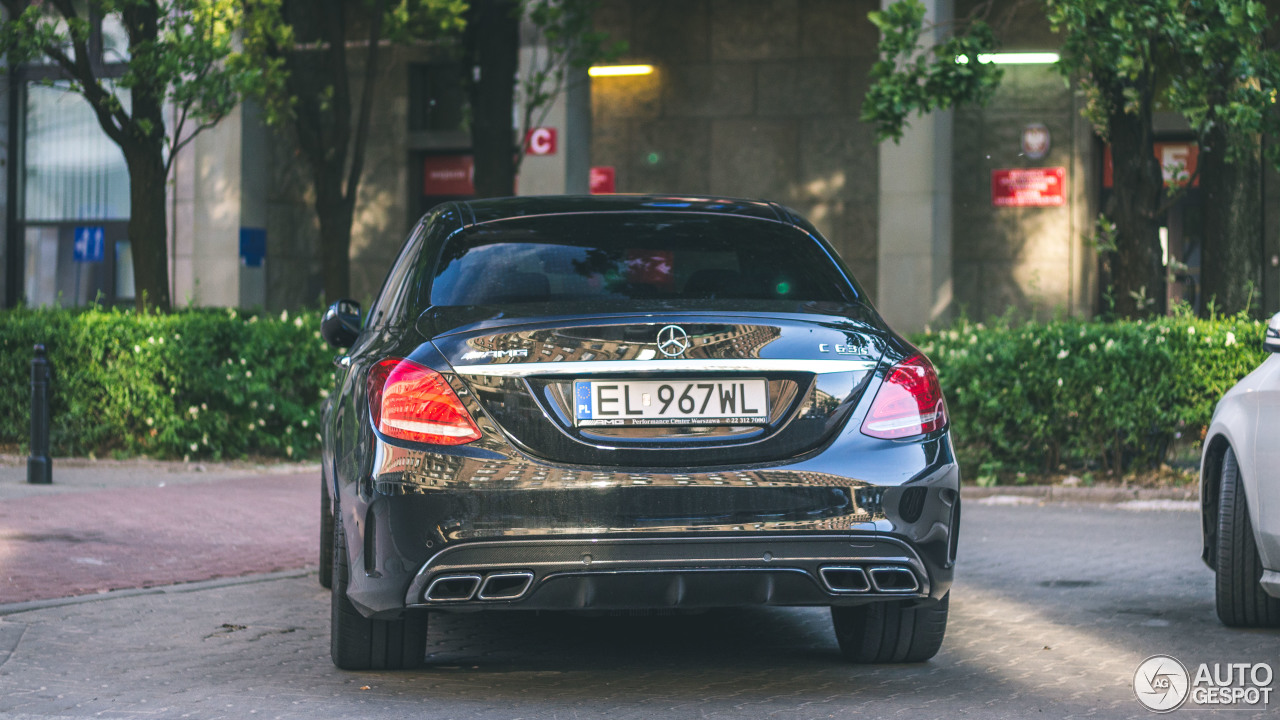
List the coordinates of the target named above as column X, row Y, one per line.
column 516, row 534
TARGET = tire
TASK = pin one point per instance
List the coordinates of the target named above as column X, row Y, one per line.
column 326, row 536
column 891, row 632
column 1239, row 597
column 359, row 643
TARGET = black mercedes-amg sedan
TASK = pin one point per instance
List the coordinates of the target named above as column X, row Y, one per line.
column 630, row 403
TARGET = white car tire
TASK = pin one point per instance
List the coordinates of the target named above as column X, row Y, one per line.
column 1241, row 601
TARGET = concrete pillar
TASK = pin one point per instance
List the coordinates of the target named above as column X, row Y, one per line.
column 914, row 276
column 577, row 131
column 540, row 174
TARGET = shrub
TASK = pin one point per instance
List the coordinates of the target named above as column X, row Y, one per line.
column 1036, row 397
column 200, row 383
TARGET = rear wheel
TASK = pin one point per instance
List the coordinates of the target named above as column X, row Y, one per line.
column 898, row 631
column 359, row 643
column 1240, row 599
column 326, row 535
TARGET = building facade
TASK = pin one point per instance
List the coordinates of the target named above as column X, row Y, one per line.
column 977, row 211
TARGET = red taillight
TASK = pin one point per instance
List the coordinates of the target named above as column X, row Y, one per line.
column 908, row 403
column 412, row 402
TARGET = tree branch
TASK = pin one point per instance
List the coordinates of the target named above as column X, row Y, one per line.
column 366, row 102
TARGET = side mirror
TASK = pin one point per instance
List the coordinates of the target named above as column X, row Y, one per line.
column 340, row 325
column 1272, row 341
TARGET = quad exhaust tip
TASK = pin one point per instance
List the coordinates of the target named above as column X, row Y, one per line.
column 845, row 579
column 893, row 579
column 452, row 588
column 505, row 586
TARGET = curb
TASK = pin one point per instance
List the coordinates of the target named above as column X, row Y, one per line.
column 30, row 605
column 1058, row 493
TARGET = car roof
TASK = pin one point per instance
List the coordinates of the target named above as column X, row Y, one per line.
column 475, row 212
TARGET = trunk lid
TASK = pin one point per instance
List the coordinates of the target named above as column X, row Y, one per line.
column 663, row 389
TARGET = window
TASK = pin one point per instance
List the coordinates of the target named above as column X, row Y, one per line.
column 634, row 256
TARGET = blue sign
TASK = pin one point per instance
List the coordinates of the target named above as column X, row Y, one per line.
column 253, row 246
column 89, row 244
column 582, row 399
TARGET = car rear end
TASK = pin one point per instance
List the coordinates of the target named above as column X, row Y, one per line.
column 642, row 410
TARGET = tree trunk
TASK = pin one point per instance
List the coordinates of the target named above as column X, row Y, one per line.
column 1137, row 272
column 148, row 229
column 492, row 43
column 1231, row 253
column 143, row 146
column 335, row 213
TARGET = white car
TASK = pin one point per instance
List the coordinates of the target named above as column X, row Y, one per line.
column 1240, row 495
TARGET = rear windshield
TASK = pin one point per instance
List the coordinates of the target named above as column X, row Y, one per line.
column 634, row 256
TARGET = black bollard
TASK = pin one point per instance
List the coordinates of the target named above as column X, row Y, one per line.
column 39, row 464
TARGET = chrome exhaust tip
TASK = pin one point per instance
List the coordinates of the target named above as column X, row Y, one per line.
column 844, row 579
column 505, row 585
column 452, row 588
column 893, row 579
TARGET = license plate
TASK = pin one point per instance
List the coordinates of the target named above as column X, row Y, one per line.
column 671, row 402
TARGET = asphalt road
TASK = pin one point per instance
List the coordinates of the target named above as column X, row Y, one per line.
column 1054, row 608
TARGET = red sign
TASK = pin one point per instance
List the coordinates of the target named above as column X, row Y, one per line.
column 604, row 180
column 448, row 175
column 540, row 141
column 1177, row 163
column 1029, row 187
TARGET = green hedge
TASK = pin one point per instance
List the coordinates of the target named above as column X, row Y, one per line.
column 1080, row 395
column 214, row 384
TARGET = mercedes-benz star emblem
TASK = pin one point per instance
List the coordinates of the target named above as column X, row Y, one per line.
column 673, row 340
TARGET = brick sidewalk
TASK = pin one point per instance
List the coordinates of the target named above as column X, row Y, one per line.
column 80, row 543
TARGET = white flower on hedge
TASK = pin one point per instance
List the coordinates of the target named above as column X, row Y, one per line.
column 204, row 439
column 284, row 316
column 317, row 334
column 304, row 423
column 271, row 407
column 297, row 322
column 137, row 348
column 1062, row 355
column 243, row 361
column 1112, row 343
column 973, row 339
column 1231, row 338
column 253, row 319
column 204, row 406
column 1093, row 347
column 253, row 425
column 150, row 422
column 1097, row 390
column 318, row 438
column 288, row 430
column 989, row 358
column 1059, row 382
column 289, row 451
column 324, row 393
column 253, row 405
column 193, row 410
column 262, row 423
column 1191, row 330
column 194, row 447
column 248, row 373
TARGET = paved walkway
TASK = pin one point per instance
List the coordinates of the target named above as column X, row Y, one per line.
column 106, row 526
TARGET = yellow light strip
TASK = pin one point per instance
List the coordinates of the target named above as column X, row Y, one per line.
column 1013, row 58
column 619, row 70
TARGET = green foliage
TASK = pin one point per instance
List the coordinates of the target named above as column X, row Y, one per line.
column 912, row 78
column 182, row 51
column 195, row 383
column 1106, row 396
